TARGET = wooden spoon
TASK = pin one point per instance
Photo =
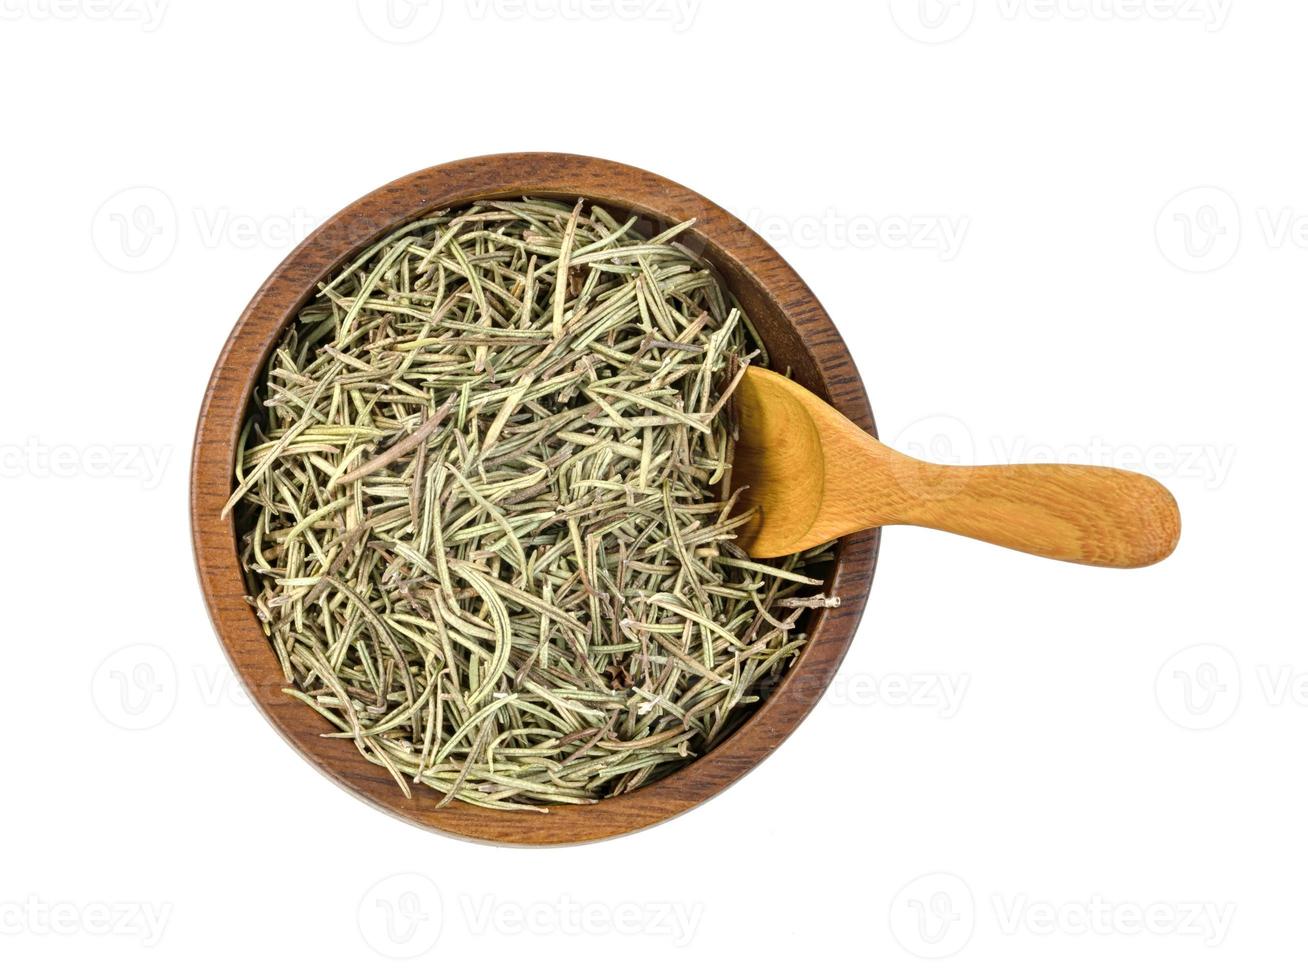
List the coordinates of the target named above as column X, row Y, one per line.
column 815, row 476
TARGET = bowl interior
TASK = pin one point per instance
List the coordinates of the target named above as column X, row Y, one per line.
column 797, row 336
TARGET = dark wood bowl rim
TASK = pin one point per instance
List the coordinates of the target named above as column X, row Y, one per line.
column 728, row 243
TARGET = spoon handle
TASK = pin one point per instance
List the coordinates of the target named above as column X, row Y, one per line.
column 1093, row 515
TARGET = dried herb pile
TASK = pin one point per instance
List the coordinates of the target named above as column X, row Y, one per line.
column 486, row 509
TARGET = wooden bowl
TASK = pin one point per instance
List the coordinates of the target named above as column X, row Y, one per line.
column 794, row 328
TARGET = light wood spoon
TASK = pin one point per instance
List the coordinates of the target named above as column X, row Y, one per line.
column 815, row 476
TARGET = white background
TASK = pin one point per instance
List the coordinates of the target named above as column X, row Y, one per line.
column 1100, row 772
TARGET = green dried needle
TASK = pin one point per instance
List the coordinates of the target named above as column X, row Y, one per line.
column 486, row 512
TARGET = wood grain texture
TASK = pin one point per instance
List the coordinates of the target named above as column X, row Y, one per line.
column 797, row 333
column 815, row 476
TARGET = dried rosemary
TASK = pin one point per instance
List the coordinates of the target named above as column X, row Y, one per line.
column 486, row 515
